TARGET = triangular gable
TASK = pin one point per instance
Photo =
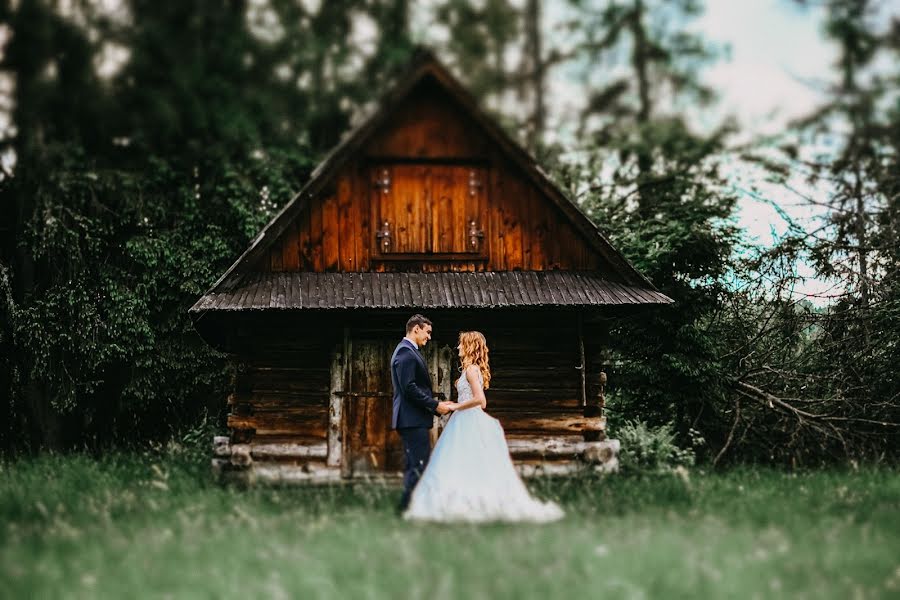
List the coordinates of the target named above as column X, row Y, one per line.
column 425, row 65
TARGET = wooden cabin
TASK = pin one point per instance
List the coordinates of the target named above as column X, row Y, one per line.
column 426, row 206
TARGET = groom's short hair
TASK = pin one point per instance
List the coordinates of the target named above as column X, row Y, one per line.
column 415, row 320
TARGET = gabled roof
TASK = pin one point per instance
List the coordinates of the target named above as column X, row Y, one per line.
column 423, row 65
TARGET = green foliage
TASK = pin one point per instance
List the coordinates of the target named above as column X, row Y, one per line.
column 131, row 195
column 647, row 450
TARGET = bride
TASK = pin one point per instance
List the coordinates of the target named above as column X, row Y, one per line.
column 470, row 476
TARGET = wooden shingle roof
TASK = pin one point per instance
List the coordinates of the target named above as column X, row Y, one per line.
column 305, row 290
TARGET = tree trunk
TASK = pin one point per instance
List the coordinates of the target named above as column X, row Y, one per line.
column 639, row 61
column 862, row 239
column 534, row 50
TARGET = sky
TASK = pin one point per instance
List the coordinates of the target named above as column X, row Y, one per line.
column 779, row 60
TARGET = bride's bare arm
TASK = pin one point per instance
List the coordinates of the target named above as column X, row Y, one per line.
column 478, row 398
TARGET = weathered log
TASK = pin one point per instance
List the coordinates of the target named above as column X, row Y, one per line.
column 297, row 451
column 594, row 424
column 547, row 423
column 280, row 473
column 241, row 410
column 583, row 365
column 241, row 435
column 240, row 455
column 547, row 398
column 541, row 469
column 601, row 393
column 335, row 411
column 592, row 410
column 601, row 452
column 276, row 399
column 568, row 446
column 221, row 446
column 308, row 421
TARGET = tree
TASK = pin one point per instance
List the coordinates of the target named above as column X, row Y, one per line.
column 815, row 384
column 654, row 186
column 57, row 113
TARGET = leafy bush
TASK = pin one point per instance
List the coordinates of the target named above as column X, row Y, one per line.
column 647, row 449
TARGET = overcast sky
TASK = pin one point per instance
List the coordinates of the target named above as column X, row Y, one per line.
column 778, row 59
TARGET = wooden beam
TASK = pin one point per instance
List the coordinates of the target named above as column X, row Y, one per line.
column 310, row 421
column 583, row 367
column 240, row 455
column 604, row 456
column 221, row 446
column 288, row 450
column 280, row 473
column 547, row 446
column 569, row 467
column 335, row 410
column 601, row 452
column 549, row 423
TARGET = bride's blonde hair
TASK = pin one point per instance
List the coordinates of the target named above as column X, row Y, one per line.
column 475, row 352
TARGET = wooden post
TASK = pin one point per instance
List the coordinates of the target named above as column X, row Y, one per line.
column 583, row 367
column 440, row 365
column 601, row 394
column 335, row 408
column 445, row 380
column 594, row 421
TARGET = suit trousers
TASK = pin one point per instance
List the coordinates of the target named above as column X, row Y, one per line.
column 417, row 448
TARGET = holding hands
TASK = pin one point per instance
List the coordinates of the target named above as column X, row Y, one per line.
column 446, row 407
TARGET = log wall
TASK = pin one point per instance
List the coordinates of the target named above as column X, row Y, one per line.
column 289, row 398
column 279, row 405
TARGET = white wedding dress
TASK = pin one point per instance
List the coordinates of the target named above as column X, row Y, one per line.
column 470, row 476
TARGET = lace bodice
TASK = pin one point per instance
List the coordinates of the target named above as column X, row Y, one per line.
column 464, row 389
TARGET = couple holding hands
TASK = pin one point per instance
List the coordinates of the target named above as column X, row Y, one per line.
column 469, row 476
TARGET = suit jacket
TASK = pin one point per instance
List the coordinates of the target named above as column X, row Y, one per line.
column 414, row 405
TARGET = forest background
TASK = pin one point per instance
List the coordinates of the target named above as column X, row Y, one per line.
column 145, row 143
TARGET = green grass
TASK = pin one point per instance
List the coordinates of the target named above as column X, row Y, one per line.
column 156, row 526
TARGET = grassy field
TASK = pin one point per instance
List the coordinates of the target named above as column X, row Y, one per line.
column 155, row 526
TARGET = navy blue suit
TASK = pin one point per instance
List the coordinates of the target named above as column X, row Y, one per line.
column 413, row 412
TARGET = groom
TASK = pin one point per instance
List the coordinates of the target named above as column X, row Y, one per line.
column 414, row 406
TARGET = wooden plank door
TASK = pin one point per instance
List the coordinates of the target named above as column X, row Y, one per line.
column 370, row 445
